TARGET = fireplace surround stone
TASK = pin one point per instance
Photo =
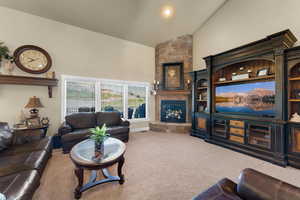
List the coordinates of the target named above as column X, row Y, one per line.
column 179, row 50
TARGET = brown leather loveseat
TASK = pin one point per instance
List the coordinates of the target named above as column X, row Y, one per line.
column 21, row 165
column 76, row 127
column 252, row 185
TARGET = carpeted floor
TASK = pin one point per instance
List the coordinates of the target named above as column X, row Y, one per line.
column 159, row 166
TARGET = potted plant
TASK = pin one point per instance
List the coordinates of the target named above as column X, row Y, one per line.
column 4, row 52
column 99, row 135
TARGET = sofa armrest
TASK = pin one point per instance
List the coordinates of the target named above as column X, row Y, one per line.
column 64, row 129
column 124, row 122
column 256, row 185
column 224, row 189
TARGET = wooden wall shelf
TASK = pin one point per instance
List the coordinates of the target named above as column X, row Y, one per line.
column 174, row 92
column 259, row 78
column 294, row 100
column 294, row 79
column 202, row 88
column 27, row 80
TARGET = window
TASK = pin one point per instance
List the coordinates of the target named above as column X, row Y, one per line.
column 91, row 95
column 111, row 98
column 80, row 97
column 136, row 102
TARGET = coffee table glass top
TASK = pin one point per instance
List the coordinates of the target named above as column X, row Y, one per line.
column 83, row 152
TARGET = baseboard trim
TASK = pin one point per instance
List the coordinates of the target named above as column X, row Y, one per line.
column 134, row 130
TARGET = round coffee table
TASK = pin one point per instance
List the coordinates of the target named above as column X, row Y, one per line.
column 81, row 155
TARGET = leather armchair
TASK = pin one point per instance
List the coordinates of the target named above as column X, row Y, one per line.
column 76, row 127
column 252, row 185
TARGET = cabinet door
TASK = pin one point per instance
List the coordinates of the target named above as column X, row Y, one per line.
column 294, row 145
column 220, row 128
column 201, row 123
column 259, row 135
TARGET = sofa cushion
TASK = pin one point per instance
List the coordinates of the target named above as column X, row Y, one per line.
column 20, row 186
column 5, row 136
column 79, row 134
column 34, row 160
column 81, row 120
column 108, row 118
column 225, row 189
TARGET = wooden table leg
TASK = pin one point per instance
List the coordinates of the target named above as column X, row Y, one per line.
column 120, row 165
column 79, row 174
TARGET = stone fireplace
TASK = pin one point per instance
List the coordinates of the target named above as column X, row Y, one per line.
column 173, row 106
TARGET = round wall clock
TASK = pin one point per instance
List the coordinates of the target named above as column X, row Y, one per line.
column 32, row 59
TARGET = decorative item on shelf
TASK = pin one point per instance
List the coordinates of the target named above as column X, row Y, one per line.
column 249, row 71
column 4, row 51
column 295, row 117
column 239, row 76
column 33, row 122
column 32, row 59
column 34, row 103
column 99, row 135
column 45, row 121
column 200, row 97
column 203, row 83
column 188, row 84
column 296, row 93
column 222, row 79
column 9, row 65
column 50, row 75
column 201, row 108
column 262, row 72
column 155, row 87
column 233, row 74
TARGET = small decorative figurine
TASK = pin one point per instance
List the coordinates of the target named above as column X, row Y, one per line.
column 45, row 121
column 295, row 117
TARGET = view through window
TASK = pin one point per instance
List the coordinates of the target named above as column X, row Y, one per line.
column 80, row 97
column 92, row 95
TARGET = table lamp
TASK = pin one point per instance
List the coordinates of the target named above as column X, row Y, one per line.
column 34, row 103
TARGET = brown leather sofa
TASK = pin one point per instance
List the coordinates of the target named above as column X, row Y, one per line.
column 252, row 185
column 21, row 167
column 76, row 127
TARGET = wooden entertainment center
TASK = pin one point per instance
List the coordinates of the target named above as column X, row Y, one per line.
column 247, row 96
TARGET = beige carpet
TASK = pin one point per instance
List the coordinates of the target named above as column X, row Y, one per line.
column 159, row 166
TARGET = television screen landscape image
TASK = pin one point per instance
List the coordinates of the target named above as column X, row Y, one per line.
column 250, row 98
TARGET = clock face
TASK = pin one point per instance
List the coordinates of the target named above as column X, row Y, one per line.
column 32, row 59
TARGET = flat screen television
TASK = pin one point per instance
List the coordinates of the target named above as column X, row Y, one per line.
column 256, row 99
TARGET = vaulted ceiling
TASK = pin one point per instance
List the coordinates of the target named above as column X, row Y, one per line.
column 135, row 20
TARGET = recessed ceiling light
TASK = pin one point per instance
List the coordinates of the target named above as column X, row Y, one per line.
column 167, row 12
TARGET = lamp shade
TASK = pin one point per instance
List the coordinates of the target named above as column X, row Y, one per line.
column 34, row 102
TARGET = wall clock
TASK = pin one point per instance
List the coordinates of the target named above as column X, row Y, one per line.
column 32, row 59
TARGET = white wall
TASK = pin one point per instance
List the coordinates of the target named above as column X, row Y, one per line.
column 239, row 22
column 74, row 51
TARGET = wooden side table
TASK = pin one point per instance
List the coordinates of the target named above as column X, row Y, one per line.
column 24, row 135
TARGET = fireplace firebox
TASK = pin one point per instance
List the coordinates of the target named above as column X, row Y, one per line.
column 173, row 111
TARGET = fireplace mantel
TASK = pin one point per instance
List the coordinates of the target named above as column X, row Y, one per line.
column 173, row 92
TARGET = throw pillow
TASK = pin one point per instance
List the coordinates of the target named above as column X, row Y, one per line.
column 5, row 136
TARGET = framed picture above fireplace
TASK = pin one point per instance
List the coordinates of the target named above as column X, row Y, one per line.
column 173, row 76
